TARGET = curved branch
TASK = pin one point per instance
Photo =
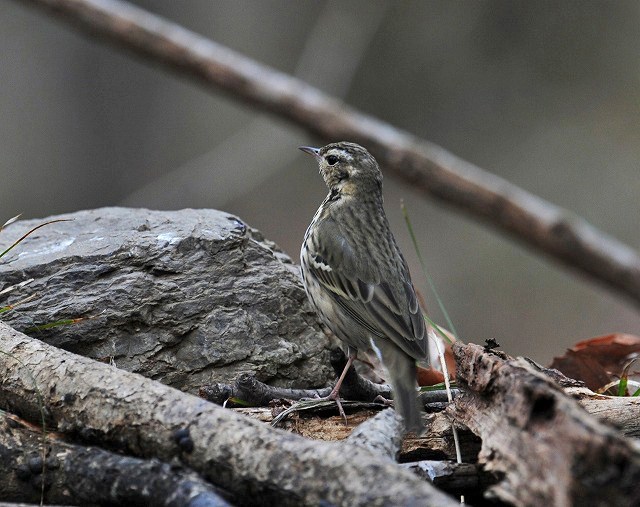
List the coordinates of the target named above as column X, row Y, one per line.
column 430, row 169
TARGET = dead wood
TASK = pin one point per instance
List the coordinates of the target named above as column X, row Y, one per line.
column 621, row 412
column 251, row 391
column 257, row 464
column 38, row 464
column 544, row 446
column 466, row 479
column 381, row 434
column 247, row 390
column 435, row 444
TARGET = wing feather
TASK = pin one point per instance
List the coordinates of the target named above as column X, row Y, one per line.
column 377, row 307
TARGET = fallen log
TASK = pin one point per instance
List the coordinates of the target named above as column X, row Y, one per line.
column 382, row 434
column 45, row 466
column 545, row 447
column 259, row 465
column 621, row 412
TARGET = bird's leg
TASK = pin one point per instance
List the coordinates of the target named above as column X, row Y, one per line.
column 335, row 392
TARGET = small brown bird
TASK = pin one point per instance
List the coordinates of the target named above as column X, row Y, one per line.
column 356, row 278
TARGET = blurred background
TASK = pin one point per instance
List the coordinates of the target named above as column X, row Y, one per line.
column 545, row 94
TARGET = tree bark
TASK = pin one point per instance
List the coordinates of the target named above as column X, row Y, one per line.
column 547, row 449
column 382, row 434
column 621, row 412
column 41, row 465
column 257, row 464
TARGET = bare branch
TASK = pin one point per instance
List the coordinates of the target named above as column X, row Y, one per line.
column 382, row 434
column 428, row 168
column 255, row 393
column 79, row 475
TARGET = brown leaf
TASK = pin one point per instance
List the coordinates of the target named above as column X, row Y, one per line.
column 598, row 361
column 429, row 376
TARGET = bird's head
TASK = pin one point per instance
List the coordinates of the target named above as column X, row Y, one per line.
column 347, row 168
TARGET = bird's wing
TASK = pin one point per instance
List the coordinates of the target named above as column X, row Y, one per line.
column 386, row 308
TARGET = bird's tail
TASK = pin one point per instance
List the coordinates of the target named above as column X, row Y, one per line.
column 402, row 372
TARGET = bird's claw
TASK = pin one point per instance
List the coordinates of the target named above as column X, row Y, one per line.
column 383, row 400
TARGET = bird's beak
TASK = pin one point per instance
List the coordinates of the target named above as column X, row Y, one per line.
column 311, row 151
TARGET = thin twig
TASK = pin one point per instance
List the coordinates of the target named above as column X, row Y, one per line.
column 428, row 168
column 248, row 390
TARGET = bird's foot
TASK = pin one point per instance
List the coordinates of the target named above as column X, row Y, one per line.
column 383, row 400
column 334, row 395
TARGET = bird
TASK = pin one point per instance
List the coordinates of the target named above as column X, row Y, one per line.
column 356, row 278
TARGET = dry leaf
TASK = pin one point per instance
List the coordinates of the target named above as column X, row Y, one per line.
column 599, row 360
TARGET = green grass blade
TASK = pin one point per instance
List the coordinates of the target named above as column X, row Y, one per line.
column 16, row 243
column 622, row 386
column 432, row 284
column 50, row 325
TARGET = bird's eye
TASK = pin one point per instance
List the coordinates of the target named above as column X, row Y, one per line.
column 332, row 160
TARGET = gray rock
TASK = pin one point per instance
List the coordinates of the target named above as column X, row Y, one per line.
column 186, row 297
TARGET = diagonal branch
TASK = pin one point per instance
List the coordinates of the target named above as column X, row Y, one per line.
column 430, row 169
